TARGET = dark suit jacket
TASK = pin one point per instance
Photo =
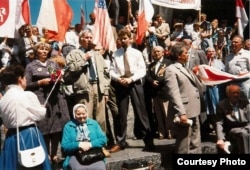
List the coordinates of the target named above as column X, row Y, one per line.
column 225, row 119
column 159, row 76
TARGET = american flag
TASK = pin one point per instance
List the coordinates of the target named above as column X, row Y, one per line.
column 82, row 22
column 103, row 32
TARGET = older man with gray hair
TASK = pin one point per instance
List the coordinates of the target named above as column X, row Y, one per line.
column 88, row 73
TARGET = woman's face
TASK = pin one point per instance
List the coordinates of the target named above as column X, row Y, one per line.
column 42, row 53
column 81, row 115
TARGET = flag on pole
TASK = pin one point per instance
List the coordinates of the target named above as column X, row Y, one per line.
column 144, row 18
column 241, row 16
column 103, row 32
column 13, row 16
column 55, row 16
column 23, row 8
column 82, row 22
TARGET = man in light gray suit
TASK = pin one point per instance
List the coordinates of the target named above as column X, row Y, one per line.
column 198, row 57
column 184, row 91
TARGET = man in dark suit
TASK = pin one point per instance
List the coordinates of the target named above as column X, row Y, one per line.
column 232, row 121
column 155, row 77
column 184, row 91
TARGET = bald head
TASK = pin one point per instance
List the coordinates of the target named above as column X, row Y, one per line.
column 233, row 93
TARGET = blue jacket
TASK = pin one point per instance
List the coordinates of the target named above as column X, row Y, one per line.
column 69, row 143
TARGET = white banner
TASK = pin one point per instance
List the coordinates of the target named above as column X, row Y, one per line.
column 13, row 14
column 179, row 4
column 7, row 19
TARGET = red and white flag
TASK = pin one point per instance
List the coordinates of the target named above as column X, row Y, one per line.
column 241, row 16
column 144, row 18
column 103, row 32
column 82, row 21
column 55, row 16
column 13, row 14
column 212, row 76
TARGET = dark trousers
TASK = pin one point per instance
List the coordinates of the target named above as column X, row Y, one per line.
column 136, row 94
column 112, row 106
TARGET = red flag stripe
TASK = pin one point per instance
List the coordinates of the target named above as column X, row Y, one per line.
column 26, row 11
column 213, row 76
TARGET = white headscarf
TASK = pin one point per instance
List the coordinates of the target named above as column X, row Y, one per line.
column 77, row 106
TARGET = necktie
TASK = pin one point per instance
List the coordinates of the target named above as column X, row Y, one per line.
column 126, row 66
column 236, row 112
column 92, row 73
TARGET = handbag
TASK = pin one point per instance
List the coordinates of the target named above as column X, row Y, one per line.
column 137, row 165
column 90, row 156
column 30, row 157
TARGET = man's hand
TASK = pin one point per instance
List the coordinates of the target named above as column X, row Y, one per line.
column 183, row 120
column 155, row 83
column 125, row 81
column 221, row 144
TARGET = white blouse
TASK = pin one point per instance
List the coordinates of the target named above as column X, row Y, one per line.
column 24, row 105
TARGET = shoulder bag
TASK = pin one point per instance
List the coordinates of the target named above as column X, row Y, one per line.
column 30, row 157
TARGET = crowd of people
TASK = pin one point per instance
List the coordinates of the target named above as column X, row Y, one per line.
column 77, row 82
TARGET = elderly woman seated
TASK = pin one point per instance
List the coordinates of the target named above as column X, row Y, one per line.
column 82, row 133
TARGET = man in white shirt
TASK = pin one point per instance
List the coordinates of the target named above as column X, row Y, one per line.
column 71, row 39
column 238, row 63
column 127, row 70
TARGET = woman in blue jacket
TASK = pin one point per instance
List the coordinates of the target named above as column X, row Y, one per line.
column 82, row 133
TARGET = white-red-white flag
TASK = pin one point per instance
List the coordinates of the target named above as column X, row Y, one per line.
column 241, row 16
column 213, row 76
column 55, row 16
column 13, row 14
column 23, row 8
column 103, row 32
column 145, row 15
column 82, row 21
